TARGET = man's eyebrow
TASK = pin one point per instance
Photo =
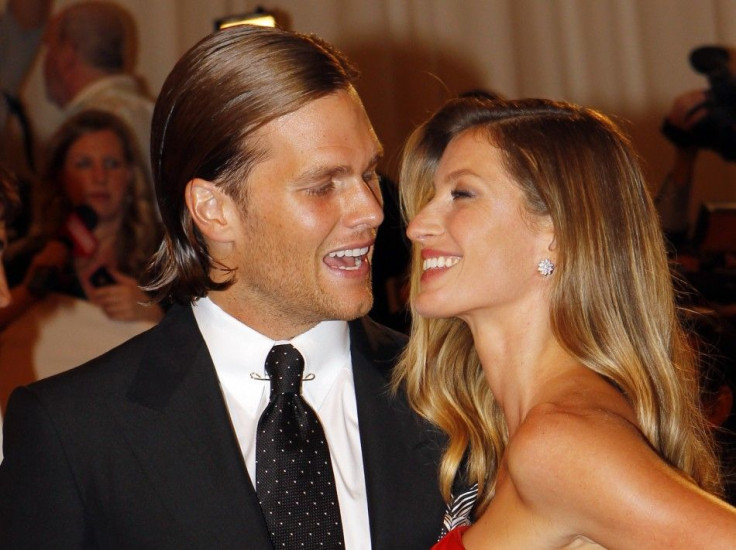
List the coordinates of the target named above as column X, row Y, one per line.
column 321, row 173
column 325, row 172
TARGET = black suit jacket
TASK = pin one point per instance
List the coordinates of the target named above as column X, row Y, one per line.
column 135, row 450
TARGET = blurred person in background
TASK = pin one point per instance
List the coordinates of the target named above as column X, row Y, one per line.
column 77, row 293
column 89, row 61
column 9, row 206
column 21, row 31
column 93, row 161
column 703, row 119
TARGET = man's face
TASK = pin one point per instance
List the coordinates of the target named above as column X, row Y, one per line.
column 306, row 234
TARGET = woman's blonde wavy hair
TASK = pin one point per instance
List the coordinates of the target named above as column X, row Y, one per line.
column 612, row 303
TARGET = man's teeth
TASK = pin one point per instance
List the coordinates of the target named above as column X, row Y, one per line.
column 350, row 252
column 356, row 253
column 440, row 261
column 358, row 261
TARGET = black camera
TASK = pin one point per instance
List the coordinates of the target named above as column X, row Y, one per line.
column 717, row 129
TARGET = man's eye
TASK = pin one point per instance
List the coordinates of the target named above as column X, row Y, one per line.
column 321, row 190
column 371, row 177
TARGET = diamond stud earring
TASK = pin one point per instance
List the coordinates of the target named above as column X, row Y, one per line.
column 546, row 267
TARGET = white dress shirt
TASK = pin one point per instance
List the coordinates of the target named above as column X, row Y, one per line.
column 239, row 355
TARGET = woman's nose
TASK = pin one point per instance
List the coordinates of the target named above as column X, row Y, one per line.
column 100, row 173
column 424, row 225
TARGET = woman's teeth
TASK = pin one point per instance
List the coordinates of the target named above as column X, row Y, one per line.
column 439, row 261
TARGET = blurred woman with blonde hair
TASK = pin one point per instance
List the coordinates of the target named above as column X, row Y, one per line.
column 94, row 165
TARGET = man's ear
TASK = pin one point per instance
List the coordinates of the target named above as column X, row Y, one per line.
column 211, row 210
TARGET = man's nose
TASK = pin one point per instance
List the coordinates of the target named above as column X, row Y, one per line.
column 367, row 206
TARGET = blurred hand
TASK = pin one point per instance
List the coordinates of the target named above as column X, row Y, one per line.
column 688, row 109
column 125, row 301
column 54, row 254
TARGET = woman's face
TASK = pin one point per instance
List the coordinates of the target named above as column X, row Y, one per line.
column 96, row 173
column 480, row 247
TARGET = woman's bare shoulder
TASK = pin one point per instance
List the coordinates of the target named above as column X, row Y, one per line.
column 581, row 460
column 574, row 437
column 580, row 412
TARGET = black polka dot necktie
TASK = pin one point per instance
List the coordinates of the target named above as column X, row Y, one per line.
column 294, row 479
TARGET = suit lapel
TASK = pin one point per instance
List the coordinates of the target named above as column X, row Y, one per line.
column 400, row 452
column 177, row 423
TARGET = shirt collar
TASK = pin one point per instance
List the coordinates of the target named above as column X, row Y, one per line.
column 239, row 352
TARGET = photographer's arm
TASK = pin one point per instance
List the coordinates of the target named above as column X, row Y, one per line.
column 673, row 197
column 683, row 166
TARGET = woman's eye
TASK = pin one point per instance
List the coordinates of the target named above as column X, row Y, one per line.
column 112, row 163
column 461, row 194
column 82, row 163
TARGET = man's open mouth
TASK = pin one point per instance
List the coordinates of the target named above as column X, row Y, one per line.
column 348, row 259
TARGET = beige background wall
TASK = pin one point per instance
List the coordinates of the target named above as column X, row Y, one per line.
column 627, row 58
